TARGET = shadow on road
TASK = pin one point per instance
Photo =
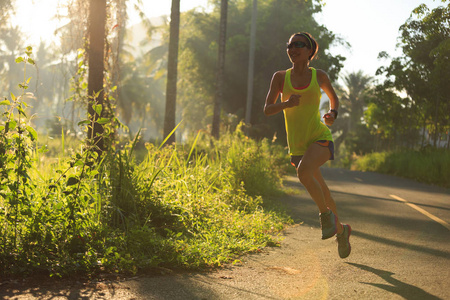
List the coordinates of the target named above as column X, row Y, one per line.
column 405, row 290
column 390, row 200
column 229, row 287
column 365, row 211
column 174, row 287
column 301, row 208
column 403, row 245
column 376, row 179
column 54, row 288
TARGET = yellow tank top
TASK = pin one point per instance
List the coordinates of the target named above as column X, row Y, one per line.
column 303, row 122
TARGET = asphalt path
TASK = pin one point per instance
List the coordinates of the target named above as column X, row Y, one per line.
column 400, row 250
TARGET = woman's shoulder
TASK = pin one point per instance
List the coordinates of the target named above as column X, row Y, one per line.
column 279, row 75
column 322, row 76
column 321, row 72
column 278, row 79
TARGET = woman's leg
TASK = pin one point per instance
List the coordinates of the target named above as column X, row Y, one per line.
column 329, row 201
column 314, row 157
column 309, row 175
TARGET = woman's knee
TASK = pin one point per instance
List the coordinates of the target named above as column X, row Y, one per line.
column 304, row 175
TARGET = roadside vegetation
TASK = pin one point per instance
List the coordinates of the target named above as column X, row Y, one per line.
column 65, row 209
column 392, row 126
column 188, row 206
column 430, row 166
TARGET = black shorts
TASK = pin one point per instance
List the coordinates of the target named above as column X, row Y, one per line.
column 296, row 159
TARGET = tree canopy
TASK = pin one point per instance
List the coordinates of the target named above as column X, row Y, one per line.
column 411, row 100
column 422, row 74
column 277, row 20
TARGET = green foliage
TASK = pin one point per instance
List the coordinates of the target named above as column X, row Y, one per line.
column 428, row 166
column 82, row 213
column 353, row 99
column 360, row 141
column 393, row 120
column 422, row 72
column 277, row 20
column 409, row 102
column 16, row 142
column 257, row 165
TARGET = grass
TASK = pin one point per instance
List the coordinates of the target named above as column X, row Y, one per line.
column 430, row 166
column 66, row 210
column 191, row 206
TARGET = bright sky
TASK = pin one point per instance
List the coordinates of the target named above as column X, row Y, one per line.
column 370, row 26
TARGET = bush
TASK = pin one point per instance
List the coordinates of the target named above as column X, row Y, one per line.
column 88, row 212
column 177, row 208
column 429, row 166
column 258, row 166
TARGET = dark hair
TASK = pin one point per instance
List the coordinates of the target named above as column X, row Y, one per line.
column 313, row 43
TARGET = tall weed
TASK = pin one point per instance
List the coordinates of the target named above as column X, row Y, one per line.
column 258, row 166
column 183, row 206
column 17, row 139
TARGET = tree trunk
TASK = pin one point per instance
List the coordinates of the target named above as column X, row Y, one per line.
column 220, row 69
column 251, row 64
column 436, row 122
column 171, row 88
column 97, row 21
column 120, row 27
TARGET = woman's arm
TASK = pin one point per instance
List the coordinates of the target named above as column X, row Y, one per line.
column 276, row 87
column 325, row 85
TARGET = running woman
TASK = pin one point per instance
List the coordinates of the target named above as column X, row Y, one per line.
column 309, row 140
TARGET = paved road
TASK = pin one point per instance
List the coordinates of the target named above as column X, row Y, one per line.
column 400, row 250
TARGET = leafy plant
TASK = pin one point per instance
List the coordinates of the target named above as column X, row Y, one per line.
column 16, row 143
column 428, row 165
column 187, row 206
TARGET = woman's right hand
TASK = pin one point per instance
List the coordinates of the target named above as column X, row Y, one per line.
column 294, row 100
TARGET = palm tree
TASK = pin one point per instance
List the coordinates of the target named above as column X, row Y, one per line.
column 97, row 21
column 352, row 103
column 251, row 64
column 172, row 64
column 220, row 69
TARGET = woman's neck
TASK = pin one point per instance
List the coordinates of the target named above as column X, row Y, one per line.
column 300, row 68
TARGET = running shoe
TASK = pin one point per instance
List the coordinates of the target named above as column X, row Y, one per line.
column 328, row 222
column 343, row 240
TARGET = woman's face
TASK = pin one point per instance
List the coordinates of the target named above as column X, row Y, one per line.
column 298, row 49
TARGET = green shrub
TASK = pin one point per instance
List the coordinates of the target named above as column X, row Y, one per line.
column 429, row 166
column 258, row 166
column 82, row 213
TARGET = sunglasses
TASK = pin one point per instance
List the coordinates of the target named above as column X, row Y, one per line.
column 297, row 44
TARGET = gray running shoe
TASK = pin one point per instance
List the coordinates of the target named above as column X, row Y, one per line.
column 343, row 240
column 328, row 222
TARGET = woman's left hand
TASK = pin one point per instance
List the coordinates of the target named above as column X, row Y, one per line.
column 329, row 118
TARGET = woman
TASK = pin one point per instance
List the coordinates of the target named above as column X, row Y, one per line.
column 310, row 141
